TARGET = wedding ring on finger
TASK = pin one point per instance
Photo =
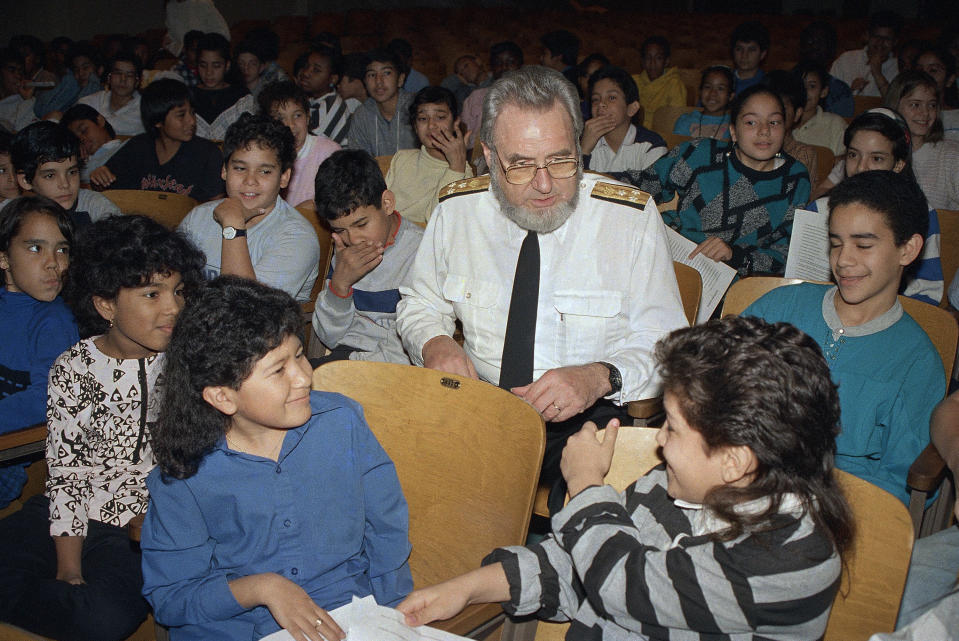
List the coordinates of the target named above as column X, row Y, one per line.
column 558, row 408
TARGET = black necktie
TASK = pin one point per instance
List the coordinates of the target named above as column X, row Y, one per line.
column 517, row 364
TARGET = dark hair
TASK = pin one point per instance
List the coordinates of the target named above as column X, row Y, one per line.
column 5, row 139
column 26, row 41
column 562, row 43
column 353, row 65
column 320, row 50
column 750, row 31
column 83, row 49
column 885, row 20
column 903, row 85
column 385, row 56
column 280, row 93
column 158, row 99
column 432, row 95
column 16, row 211
column 124, row 251
column 899, row 200
column 328, row 39
column 619, row 76
column 788, row 86
column 222, row 332
column 348, row 179
column 264, row 132
column 656, row 40
column 739, row 101
column 127, row 56
column 806, row 67
column 741, row 381
column 826, row 31
column 262, row 43
column 41, row 142
column 723, row 69
column 9, row 55
column 950, row 92
column 214, row 42
column 81, row 111
column 402, row 48
column 890, row 126
column 193, row 35
column 507, row 46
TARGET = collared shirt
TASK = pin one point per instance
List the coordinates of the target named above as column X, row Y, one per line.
column 824, row 129
column 607, row 288
column 855, row 64
column 632, row 154
column 126, row 120
column 330, row 117
column 328, row 515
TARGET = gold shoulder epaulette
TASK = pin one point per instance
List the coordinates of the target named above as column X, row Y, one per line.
column 465, row 186
column 620, row 194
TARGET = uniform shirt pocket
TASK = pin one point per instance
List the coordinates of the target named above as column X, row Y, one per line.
column 589, row 322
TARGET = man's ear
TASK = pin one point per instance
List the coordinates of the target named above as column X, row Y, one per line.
column 632, row 108
column 910, row 249
column 106, row 307
column 222, row 398
column 487, row 154
column 738, row 464
column 101, row 121
column 25, row 184
column 388, row 202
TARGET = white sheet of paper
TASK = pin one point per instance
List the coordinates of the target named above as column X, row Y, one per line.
column 716, row 275
column 808, row 256
column 364, row 620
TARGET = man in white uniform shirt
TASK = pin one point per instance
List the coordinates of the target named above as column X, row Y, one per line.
column 604, row 289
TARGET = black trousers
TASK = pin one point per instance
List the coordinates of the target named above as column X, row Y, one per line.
column 109, row 606
column 556, row 436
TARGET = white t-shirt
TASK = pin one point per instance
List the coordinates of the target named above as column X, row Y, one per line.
column 125, row 120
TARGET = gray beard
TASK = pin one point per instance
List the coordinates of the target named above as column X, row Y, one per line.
column 541, row 221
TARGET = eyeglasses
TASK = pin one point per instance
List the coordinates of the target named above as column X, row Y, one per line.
column 558, row 168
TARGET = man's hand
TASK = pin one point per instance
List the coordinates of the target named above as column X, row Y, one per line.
column 586, row 459
column 445, row 354
column 566, row 391
column 453, row 147
column 102, row 177
column 858, row 85
column 713, row 247
column 353, row 262
column 594, row 129
column 232, row 213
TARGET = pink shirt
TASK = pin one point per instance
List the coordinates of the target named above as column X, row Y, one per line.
column 315, row 150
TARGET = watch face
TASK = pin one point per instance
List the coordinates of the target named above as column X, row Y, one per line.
column 229, row 233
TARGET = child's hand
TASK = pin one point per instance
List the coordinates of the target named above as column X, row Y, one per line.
column 713, row 247
column 435, row 603
column 594, row 129
column 858, row 84
column 102, row 177
column 296, row 612
column 453, row 147
column 353, row 262
column 232, row 213
column 586, row 459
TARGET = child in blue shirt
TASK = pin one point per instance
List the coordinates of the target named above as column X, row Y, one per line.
column 35, row 237
column 715, row 92
column 271, row 504
column 889, row 374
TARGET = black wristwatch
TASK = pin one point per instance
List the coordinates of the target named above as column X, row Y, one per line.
column 615, row 378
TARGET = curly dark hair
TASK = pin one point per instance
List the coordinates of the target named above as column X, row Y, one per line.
column 282, row 92
column 743, row 381
column 40, row 143
column 264, row 132
column 125, row 251
column 219, row 336
column 898, row 198
column 348, row 179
